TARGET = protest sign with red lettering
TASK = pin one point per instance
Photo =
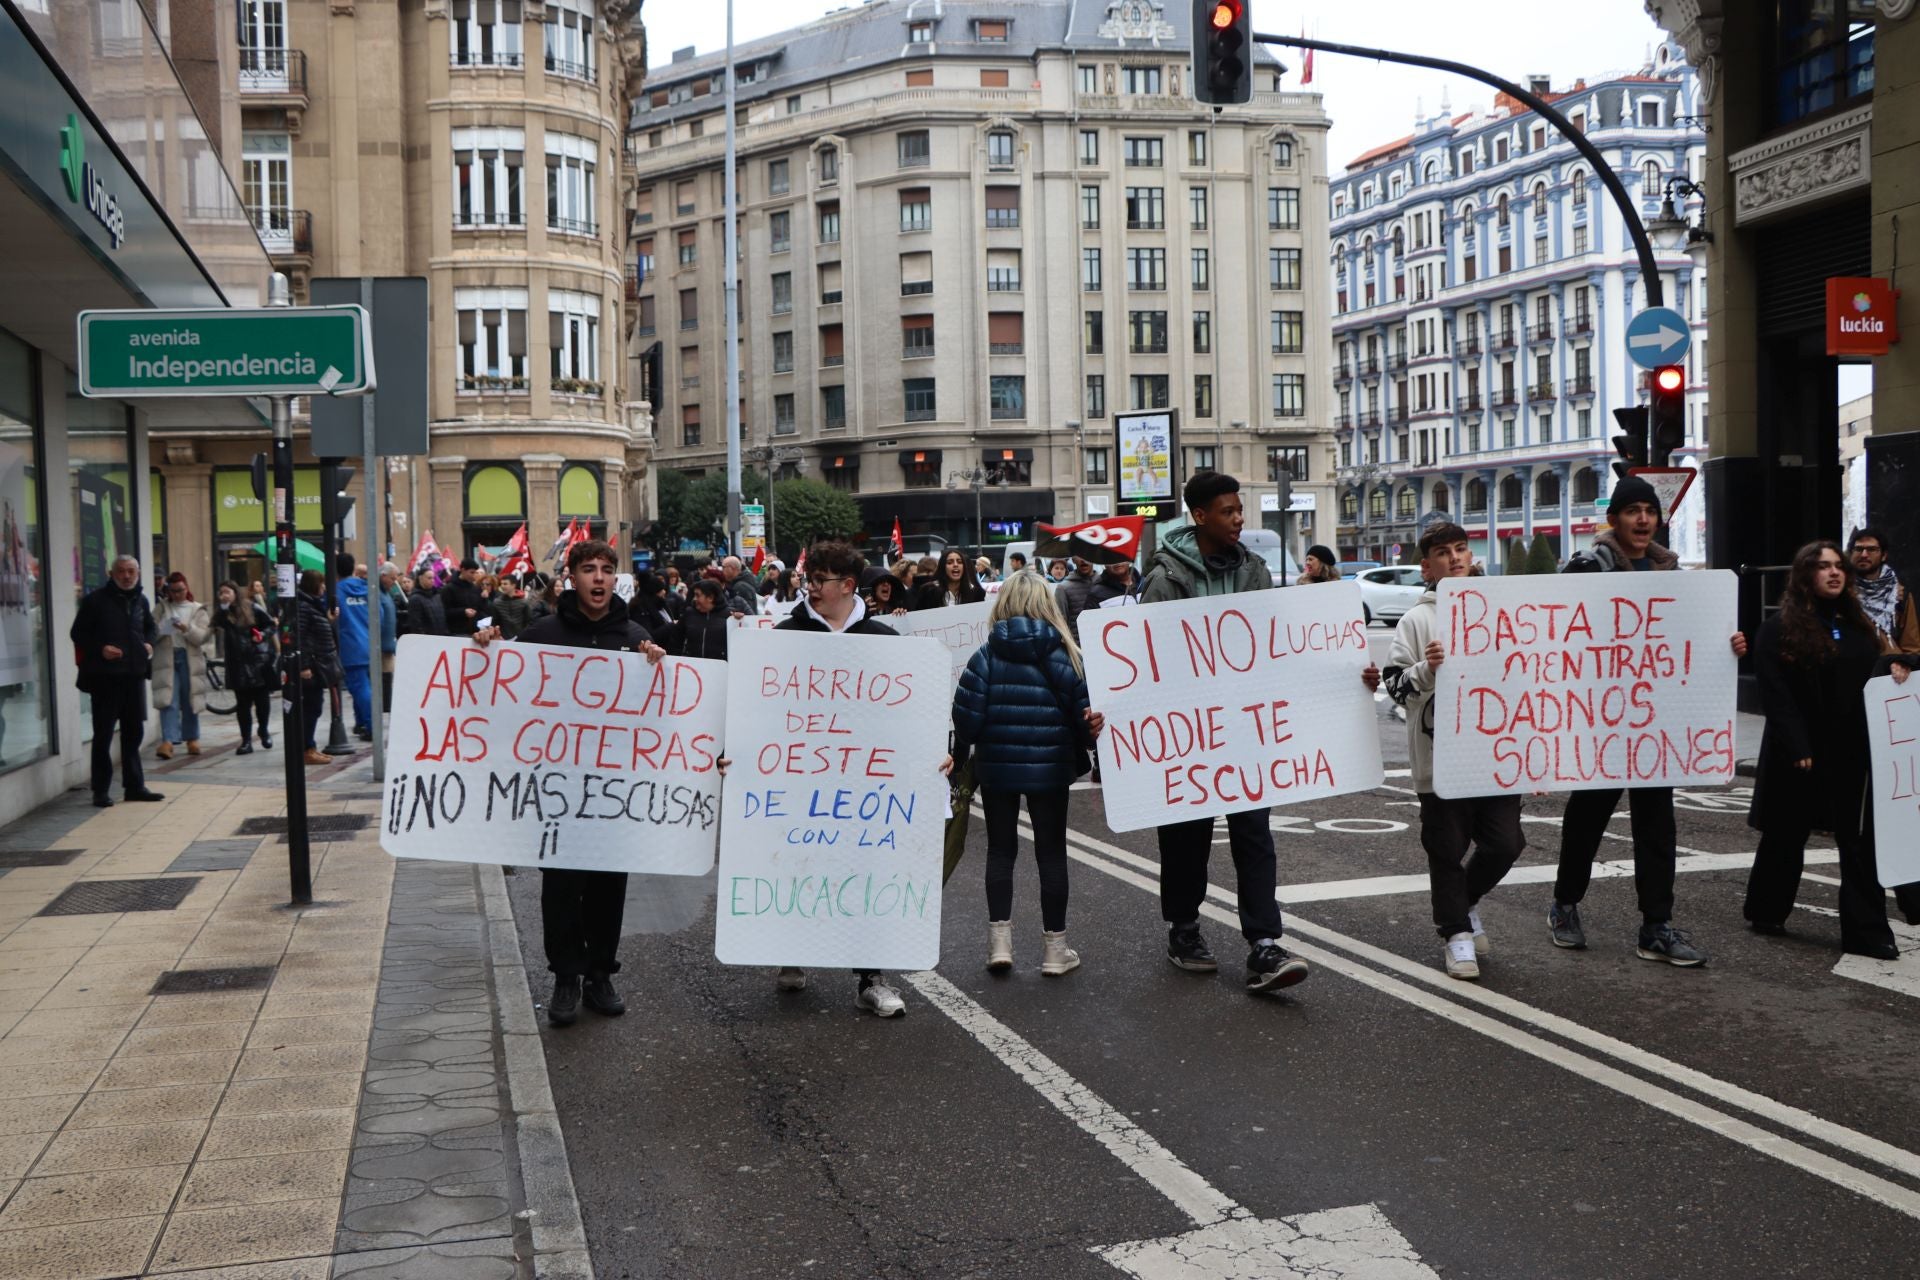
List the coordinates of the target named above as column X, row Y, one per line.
column 1584, row 681
column 539, row 756
column 961, row 629
column 835, row 808
column 1893, row 731
column 1228, row 703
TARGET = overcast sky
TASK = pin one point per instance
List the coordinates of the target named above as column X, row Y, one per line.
column 1370, row 103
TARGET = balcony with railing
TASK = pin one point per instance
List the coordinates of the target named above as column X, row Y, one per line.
column 1506, row 340
column 1582, row 322
column 1370, row 367
column 1505, row 398
column 275, row 78
column 1397, row 360
column 285, row 233
column 1468, row 347
column 573, row 226
column 1470, row 402
column 1580, row 386
column 1343, row 373
column 1343, row 422
column 1540, row 391
column 1539, row 333
column 1370, row 419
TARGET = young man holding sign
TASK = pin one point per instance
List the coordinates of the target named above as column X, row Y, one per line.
column 1490, row 824
column 580, row 911
column 1201, row 560
column 1626, row 546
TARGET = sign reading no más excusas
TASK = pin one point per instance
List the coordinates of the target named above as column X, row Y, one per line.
column 296, row 351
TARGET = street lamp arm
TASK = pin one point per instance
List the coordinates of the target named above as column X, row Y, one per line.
column 1601, row 169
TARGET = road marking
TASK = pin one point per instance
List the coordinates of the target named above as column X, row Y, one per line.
column 1902, row 975
column 1229, row 1241
column 1121, row 865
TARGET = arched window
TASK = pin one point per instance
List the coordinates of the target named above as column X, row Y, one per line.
column 1476, row 495
column 1649, row 179
column 1539, row 198
column 1399, row 248
column 1441, row 496
column 1512, row 493
column 1349, row 506
column 1431, row 173
column 580, row 491
column 1377, row 504
column 1505, row 213
column 1546, row 490
column 1578, row 180
column 495, row 493
column 1586, row 485
column 1408, row 502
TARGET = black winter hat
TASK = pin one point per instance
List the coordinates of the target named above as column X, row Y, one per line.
column 1324, row 555
column 1629, row 491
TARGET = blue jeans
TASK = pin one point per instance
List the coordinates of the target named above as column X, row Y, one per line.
column 180, row 722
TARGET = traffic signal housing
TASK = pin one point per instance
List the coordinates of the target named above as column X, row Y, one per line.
column 1667, row 412
column 1223, row 52
column 1631, row 443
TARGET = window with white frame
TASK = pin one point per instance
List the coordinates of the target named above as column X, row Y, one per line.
column 486, row 33
column 570, row 38
column 572, row 163
column 263, row 44
column 1140, row 79
column 266, row 184
column 488, row 181
column 573, row 341
column 1289, row 395
column 492, row 338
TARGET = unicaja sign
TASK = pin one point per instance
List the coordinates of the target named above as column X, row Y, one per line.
column 84, row 185
column 1862, row 316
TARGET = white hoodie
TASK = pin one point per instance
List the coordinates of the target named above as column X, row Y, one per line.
column 1409, row 681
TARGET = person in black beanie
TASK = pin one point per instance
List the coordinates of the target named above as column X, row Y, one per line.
column 1322, row 565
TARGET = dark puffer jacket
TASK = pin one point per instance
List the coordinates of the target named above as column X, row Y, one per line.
column 1007, row 712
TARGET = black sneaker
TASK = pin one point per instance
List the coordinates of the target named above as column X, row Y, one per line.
column 1188, row 950
column 1768, row 928
column 1874, row 950
column 601, row 997
column 564, row 1007
column 1563, row 921
column 1270, row 968
column 101, row 800
column 244, row 749
column 266, row 740
column 1664, row 942
column 144, row 794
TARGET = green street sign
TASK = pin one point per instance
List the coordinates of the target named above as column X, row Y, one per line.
column 265, row 351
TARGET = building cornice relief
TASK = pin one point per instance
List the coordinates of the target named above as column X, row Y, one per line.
column 1807, row 166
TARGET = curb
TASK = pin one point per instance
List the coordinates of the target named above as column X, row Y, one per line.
column 553, row 1208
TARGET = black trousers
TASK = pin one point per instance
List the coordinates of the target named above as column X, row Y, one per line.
column 119, row 706
column 313, row 696
column 1654, row 838
column 1490, row 825
column 580, row 915
column 1774, row 883
column 1048, row 810
column 1185, row 848
column 252, row 704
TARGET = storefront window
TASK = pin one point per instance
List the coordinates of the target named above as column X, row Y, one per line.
column 99, row 442
column 26, row 707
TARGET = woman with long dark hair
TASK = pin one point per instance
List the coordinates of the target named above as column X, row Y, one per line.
column 247, row 639
column 952, row 582
column 319, row 658
column 1815, row 657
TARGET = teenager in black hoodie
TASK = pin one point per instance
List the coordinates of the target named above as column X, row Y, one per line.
column 580, row 911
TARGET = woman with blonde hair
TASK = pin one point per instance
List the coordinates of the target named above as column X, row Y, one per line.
column 1021, row 713
column 180, row 667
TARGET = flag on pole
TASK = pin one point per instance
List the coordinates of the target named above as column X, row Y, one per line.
column 800, row 566
column 759, row 558
column 899, row 545
column 561, row 543
column 514, row 557
column 425, row 552
column 1306, row 70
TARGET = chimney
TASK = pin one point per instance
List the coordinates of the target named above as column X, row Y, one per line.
column 683, row 55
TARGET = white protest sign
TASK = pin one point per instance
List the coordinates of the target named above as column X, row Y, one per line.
column 773, row 613
column 960, row 628
column 1230, row 703
column 1584, row 681
column 1893, row 731
column 623, row 586
column 830, row 850
column 540, row 756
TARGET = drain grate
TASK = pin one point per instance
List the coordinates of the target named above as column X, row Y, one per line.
column 97, row 897
column 317, row 823
column 179, row 982
column 11, row 858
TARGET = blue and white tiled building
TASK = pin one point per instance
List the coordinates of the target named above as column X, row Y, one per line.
column 1482, row 283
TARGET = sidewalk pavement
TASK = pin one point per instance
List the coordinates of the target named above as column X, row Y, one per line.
column 200, row 1080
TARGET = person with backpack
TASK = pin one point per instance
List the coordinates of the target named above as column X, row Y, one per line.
column 1626, row 545
column 1020, row 717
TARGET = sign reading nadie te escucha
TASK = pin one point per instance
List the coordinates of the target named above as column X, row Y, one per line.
column 263, row 351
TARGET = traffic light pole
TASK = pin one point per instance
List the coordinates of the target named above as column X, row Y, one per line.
column 293, row 731
column 1636, row 230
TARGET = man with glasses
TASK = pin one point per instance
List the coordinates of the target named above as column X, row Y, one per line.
column 1882, row 595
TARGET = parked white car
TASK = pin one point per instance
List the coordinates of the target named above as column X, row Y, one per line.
column 1388, row 592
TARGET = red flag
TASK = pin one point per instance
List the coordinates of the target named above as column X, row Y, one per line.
column 514, row 557
column 1108, row 540
column 899, row 547
column 561, row 543
column 1306, row 71
column 800, row 568
column 425, row 552
column 759, row 558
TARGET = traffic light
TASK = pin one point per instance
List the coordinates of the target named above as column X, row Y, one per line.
column 1223, row 52
column 262, row 480
column 1668, row 412
column 1631, row 443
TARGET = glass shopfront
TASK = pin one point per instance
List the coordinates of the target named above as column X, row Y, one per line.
column 99, row 471
column 26, row 674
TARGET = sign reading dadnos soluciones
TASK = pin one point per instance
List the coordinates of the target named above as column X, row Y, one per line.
column 310, row 351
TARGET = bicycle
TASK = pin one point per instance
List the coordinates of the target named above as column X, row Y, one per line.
column 221, row 700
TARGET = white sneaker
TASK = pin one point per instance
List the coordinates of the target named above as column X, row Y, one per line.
column 1480, row 944
column 880, row 999
column 1460, row 961
column 791, row 979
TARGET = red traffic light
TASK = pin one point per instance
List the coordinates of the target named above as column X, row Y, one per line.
column 1224, row 15
column 1670, row 379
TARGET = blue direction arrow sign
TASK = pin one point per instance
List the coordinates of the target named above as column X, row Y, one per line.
column 1657, row 336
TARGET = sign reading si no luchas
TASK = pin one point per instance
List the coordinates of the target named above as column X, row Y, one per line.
column 1230, row 703
column 534, row 755
column 1583, row 682
column 835, row 808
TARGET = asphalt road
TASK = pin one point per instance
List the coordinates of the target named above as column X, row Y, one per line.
column 1574, row 1114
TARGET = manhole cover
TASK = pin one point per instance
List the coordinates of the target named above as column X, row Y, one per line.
column 215, row 855
column 37, row 857
column 95, row 897
column 177, row 982
column 316, row 823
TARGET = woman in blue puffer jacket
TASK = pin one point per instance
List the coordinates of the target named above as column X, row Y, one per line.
column 1021, row 713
